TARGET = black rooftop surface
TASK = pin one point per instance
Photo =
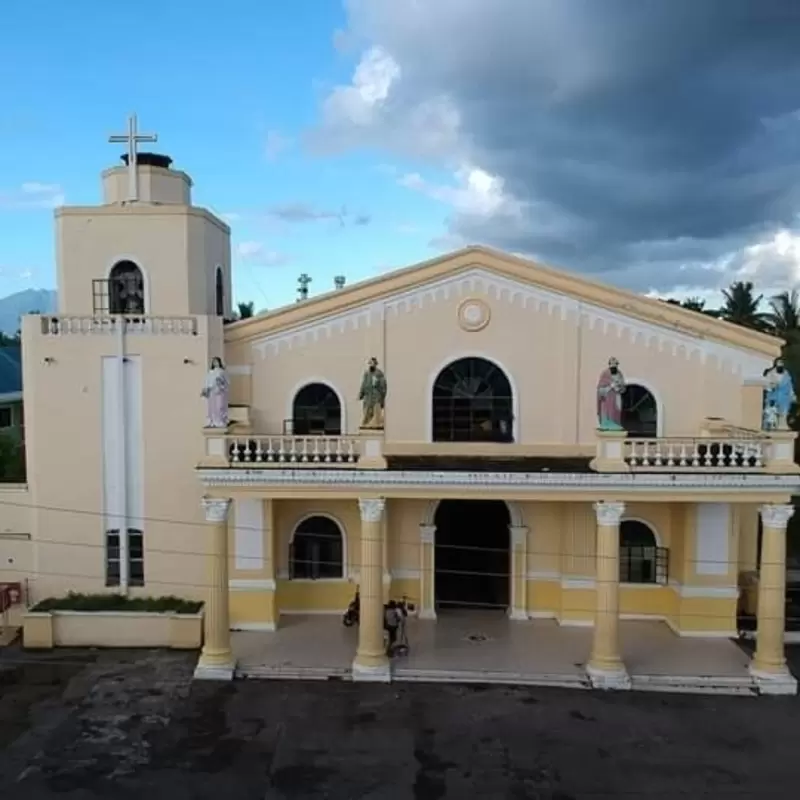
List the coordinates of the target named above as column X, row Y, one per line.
column 149, row 160
column 478, row 464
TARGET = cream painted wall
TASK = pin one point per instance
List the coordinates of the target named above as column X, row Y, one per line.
column 65, row 458
column 553, row 362
column 16, row 551
column 177, row 246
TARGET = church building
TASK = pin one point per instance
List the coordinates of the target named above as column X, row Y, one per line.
column 479, row 436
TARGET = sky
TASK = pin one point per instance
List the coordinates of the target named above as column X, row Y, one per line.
column 653, row 145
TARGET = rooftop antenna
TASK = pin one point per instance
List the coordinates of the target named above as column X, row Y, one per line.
column 339, row 281
column 302, row 289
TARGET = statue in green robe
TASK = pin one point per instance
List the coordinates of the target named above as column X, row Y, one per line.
column 372, row 395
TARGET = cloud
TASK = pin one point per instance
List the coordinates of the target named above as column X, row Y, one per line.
column 32, row 195
column 302, row 212
column 275, row 144
column 299, row 213
column 257, row 254
column 653, row 144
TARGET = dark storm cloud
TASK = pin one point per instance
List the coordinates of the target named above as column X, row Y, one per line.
column 654, row 135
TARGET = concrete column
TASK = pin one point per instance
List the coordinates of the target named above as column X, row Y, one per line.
column 427, row 572
column 371, row 662
column 216, row 658
column 606, row 669
column 518, row 608
column 768, row 667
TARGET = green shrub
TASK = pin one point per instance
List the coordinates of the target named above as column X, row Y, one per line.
column 117, row 602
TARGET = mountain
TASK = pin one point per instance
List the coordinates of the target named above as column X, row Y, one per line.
column 15, row 305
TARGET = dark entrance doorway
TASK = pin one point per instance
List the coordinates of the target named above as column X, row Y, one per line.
column 473, row 555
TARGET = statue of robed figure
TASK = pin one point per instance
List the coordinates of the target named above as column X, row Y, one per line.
column 372, row 395
column 778, row 397
column 216, row 391
column 610, row 388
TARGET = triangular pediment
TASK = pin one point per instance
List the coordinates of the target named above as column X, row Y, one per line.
column 508, row 279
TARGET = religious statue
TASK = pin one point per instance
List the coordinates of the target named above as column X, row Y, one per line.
column 372, row 395
column 778, row 397
column 216, row 392
column 610, row 389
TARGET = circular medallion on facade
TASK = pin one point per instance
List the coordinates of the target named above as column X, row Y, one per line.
column 473, row 314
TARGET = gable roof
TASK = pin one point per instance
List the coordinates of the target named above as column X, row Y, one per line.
column 559, row 281
column 11, row 372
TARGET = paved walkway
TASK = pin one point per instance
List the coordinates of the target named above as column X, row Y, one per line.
column 486, row 647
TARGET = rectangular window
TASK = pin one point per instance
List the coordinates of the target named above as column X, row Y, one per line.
column 135, row 557
column 100, row 296
column 6, row 417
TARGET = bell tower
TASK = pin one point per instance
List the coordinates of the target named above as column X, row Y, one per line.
column 146, row 250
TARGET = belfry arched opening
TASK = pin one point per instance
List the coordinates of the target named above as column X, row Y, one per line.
column 472, row 555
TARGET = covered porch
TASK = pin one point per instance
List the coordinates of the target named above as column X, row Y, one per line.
column 486, row 647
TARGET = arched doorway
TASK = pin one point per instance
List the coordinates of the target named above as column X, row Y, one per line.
column 638, row 553
column 472, row 555
column 472, row 401
column 639, row 412
column 126, row 289
column 316, row 411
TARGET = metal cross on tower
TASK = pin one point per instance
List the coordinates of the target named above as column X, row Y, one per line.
column 302, row 289
column 132, row 138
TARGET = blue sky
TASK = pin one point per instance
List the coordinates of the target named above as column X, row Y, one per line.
column 231, row 95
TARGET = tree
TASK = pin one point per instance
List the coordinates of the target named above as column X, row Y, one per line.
column 741, row 306
column 784, row 315
column 246, row 310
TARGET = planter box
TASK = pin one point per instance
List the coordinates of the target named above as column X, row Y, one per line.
column 47, row 629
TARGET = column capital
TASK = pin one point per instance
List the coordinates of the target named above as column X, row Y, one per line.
column 776, row 515
column 216, row 508
column 609, row 514
column 427, row 534
column 371, row 509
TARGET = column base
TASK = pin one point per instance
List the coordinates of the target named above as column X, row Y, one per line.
column 377, row 673
column 427, row 613
column 776, row 683
column 616, row 679
column 518, row 614
column 215, row 671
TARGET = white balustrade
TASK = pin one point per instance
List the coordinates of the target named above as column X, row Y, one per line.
column 68, row 325
column 252, row 451
column 734, row 454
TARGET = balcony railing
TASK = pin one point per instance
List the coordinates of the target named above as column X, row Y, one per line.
column 734, row 450
column 70, row 325
column 719, row 454
column 293, row 451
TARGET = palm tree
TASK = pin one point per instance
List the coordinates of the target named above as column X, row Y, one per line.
column 245, row 310
column 741, row 306
column 784, row 314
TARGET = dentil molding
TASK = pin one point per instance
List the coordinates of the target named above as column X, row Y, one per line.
column 492, row 286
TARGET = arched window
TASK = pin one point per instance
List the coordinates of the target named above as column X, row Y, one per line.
column 219, row 292
column 472, row 402
column 316, row 410
column 126, row 289
column 639, row 412
column 317, row 550
column 641, row 560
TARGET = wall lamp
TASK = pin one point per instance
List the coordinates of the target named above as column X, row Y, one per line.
column 48, row 360
column 188, row 361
